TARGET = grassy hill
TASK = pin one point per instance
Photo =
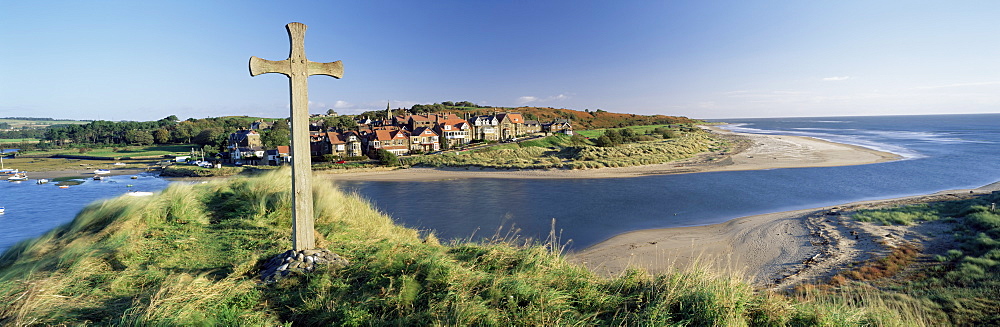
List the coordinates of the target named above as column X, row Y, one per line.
column 190, row 255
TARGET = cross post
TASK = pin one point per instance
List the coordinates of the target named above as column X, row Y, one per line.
column 298, row 69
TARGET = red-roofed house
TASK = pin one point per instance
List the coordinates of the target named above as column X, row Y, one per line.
column 424, row 139
column 454, row 131
column 510, row 124
column 396, row 142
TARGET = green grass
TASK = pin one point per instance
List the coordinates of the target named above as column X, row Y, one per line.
column 963, row 287
column 190, row 256
column 125, row 151
column 643, row 129
column 18, row 140
column 557, row 151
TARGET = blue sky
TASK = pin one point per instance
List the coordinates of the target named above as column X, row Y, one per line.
column 145, row 60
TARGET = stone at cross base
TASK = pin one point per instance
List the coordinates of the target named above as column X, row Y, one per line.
column 298, row 69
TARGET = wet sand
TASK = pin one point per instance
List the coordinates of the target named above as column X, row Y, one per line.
column 776, row 250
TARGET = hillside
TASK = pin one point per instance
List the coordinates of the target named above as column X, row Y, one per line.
column 190, row 255
column 582, row 120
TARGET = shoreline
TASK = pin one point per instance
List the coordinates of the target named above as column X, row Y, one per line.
column 775, row 250
column 759, row 152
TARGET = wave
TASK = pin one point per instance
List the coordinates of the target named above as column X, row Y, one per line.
column 858, row 140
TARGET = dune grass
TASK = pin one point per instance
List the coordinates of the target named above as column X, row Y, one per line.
column 558, row 151
column 962, row 287
column 190, row 254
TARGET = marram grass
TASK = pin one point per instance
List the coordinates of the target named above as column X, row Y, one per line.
column 190, row 256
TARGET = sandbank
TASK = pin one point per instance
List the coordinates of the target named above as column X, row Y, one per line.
column 776, row 250
column 755, row 152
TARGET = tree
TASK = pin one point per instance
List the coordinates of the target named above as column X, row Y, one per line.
column 161, row 136
column 604, row 141
column 278, row 135
column 138, row 137
column 386, row 158
column 208, row 136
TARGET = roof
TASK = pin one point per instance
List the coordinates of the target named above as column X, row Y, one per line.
column 513, row 116
column 424, row 131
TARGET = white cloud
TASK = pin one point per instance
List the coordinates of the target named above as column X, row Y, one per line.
column 529, row 99
column 836, row 78
column 341, row 104
column 526, row 99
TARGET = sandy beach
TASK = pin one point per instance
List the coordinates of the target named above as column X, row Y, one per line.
column 756, row 152
column 776, row 250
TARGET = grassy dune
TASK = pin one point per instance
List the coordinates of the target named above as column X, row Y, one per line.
column 557, row 151
column 190, row 256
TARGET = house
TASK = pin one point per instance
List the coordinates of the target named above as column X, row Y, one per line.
column 485, row 128
column 454, row 131
column 260, row 125
column 511, row 125
column 247, row 155
column 532, row 127
column 424, row 139
column 559, row 125
column 279, row 156
column 244, row 139
column 395, row 141
column 344, row 144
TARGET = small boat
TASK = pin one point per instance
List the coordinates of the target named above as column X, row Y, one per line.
column 18, row 177
column 98, row 177
column 137, row 193
column 102, row 171
column 63, row 186
column 42, row 181
column 119, row 164
column 135, row 177
column 2, row 209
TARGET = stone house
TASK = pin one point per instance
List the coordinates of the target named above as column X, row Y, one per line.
column 424, row 139
column 395, row 141
column 511, row 125
column 485, row 128
column 559, row 125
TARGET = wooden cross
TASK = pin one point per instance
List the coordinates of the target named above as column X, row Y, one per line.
column 298, row 69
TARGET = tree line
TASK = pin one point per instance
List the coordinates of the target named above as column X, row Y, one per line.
column 211, row 133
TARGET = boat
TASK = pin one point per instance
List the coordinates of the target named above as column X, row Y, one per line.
column 119, row 164
column 42, row 181
column 98, row 177
column 2, row 209
column 63, row 186
column 137, row 193
column 102, row 171
column 135, row 177
column 18, row 177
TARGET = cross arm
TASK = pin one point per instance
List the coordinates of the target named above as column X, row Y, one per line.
column 334, row 69
column 263, row 66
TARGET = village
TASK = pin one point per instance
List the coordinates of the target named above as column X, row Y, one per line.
column 400, row 132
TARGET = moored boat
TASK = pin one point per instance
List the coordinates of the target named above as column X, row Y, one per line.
column 102, row 171
column 18, row 177
column 63, row 186
column 42, row 181
column 2, row 209
column 98, row 177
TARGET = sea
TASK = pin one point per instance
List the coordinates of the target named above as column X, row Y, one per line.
column 32, row 209
column 941, row 152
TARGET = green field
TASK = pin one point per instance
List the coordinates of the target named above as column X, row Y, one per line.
column 595, row 133
column 18, row 123
column 18, row 140
column 131, row 151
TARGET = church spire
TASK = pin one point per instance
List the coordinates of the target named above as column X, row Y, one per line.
column 388, row 112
